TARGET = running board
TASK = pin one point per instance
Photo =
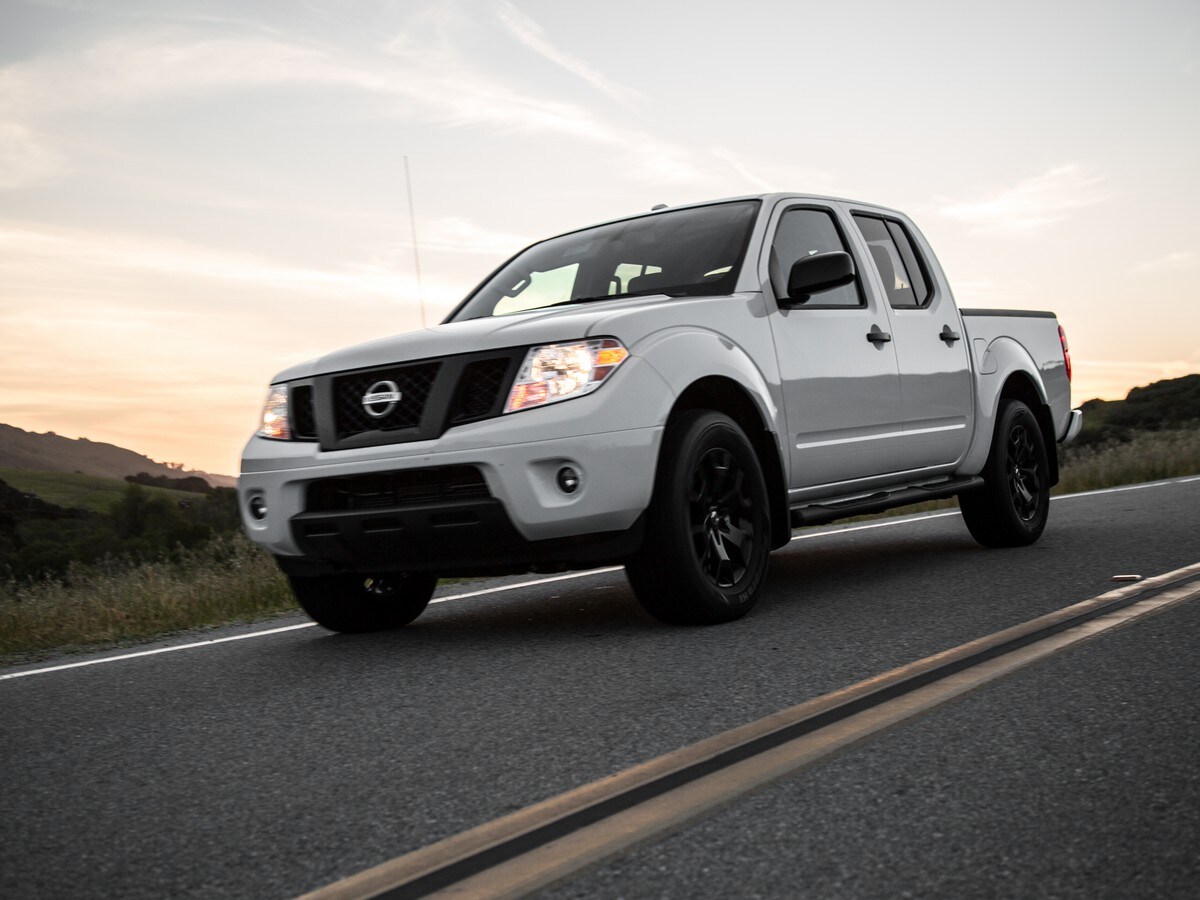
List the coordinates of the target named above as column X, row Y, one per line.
column 831, row 510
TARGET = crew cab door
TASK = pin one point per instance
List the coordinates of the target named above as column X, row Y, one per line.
column 841, row 388
column 930, row 346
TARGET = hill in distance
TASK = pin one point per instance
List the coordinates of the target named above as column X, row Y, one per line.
column 49, row 452
column 1172, row 403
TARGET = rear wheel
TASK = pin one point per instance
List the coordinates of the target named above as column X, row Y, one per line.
column 705, row 553
column 1011, row 509
column 353, row 603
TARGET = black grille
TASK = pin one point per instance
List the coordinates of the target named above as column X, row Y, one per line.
column 302, row 413
column 391, row 490
column 479, row 393
column 414, row 383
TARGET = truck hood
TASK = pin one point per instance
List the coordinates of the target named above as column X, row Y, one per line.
column 541, row 326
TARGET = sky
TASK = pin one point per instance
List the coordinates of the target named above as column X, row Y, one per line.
column 197, row 194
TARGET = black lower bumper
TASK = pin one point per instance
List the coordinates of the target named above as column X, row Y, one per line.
column 447, row 538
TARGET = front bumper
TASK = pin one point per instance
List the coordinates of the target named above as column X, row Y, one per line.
column 526, row 519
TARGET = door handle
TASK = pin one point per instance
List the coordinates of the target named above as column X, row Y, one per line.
column 877, row 335
column 949, row 336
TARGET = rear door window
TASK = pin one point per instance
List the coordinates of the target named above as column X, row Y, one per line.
column 896, row 260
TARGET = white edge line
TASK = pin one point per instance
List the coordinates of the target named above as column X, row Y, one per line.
column 570, row 575
column 155, row 651
column 521, row 584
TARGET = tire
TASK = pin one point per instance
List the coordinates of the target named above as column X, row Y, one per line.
column 1011, row 509
column 357, row 603
column 704, row 557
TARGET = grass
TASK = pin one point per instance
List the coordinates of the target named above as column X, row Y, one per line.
column 231, row 580
column 73, row 490
column 225, row 580
column 1149, row 456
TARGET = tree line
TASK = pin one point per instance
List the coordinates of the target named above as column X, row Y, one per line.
column 40, row 539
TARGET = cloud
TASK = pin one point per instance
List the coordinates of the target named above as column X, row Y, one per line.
column 460, row 235
column 155, row 65
column 414, row 79
column 727, row 156
column 533, row 36
column 1172, row 262
column 25, row 157
column 65, row 262
column 1032, row 205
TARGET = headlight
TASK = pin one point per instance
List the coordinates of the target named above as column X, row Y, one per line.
column 275, row 414
column 556, row 372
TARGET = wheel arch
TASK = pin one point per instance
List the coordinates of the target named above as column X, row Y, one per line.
column 724, row 395
column 1019, row 386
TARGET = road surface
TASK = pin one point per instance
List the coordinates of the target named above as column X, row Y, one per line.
column 275, row 764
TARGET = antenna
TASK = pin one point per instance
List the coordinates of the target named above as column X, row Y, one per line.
column 412, row 223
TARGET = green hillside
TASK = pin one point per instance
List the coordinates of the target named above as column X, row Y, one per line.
column 1170, row 404
column 74, row 491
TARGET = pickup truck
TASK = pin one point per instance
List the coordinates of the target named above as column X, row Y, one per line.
column 674, row 392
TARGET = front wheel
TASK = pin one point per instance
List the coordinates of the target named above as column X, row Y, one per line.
column 704, row 558
column 1011, row 509
column 355, row 603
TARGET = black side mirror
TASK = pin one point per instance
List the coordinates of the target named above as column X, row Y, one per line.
column 822, row 272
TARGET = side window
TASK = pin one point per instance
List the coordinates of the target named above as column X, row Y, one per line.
column 896, row 260
column 804, row 232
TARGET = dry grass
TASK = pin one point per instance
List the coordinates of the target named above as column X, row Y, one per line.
column 1150, row 456
column 223, row 581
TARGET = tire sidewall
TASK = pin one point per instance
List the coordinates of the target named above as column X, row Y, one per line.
column 699, row 433
column 1016, row 413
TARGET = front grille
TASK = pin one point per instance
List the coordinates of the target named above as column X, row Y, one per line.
column 414, row 383
column 392, row 490
column 479, row 393
column 303, row 414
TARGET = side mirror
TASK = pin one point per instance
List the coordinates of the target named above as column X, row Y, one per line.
column 822, row 272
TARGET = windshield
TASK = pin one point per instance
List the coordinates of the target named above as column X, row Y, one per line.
column 684, row 252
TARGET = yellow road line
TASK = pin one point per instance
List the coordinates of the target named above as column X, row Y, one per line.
column 548, row 842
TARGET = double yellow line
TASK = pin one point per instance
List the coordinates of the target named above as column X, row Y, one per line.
column 546, row 843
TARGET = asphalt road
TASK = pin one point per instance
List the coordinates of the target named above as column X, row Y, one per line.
column 270, row 766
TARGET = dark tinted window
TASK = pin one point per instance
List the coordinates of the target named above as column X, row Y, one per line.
column 686, row 252
column 896, row 260
column 801, row 233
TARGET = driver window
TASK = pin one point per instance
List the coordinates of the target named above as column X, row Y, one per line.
column 805, row 232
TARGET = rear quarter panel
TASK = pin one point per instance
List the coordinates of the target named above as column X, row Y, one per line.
column 1002, row 343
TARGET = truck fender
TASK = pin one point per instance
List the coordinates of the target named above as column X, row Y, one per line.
column 997, row 364
column 706, row 369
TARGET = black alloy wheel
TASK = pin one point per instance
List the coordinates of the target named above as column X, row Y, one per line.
column 721, row 516
column 704, row 558
column 1025, row 485
column 1012, row 507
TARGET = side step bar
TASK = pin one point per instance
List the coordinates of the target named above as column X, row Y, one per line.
column 831, row 510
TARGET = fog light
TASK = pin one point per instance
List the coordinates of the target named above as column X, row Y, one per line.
column 258, row 508
column 568, row 480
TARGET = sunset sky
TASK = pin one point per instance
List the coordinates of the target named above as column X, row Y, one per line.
column 197, row 194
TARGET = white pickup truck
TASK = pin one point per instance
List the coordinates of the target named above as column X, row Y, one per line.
column 674, row 392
